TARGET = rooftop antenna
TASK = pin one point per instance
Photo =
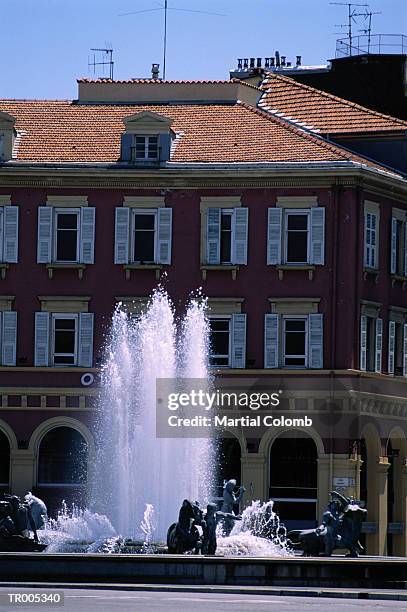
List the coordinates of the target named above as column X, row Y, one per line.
column 352, row 13
column 368, row 17
column 102, row 57
column 164, row 7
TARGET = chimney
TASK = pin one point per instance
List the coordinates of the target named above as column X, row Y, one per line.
column 298, row 62
column 155, row 72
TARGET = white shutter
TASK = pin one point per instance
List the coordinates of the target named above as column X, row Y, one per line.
column 271, row 340
column 318, row 235
column 274, row 231
column 41, row 357
column 87, row 247
column 122, row 235
column 238, row 341
column 240, row 233
column 405, row 248
column 363, row 341
column 392, row 341
column 371, row 240
column 393, row 246
column 405, row 350
column 10, row 252
column 213, row 235
column 316, row 341
column 164, row 235
column 44, row 243
column 379, row 343
column 9, row 338
column 85, row 342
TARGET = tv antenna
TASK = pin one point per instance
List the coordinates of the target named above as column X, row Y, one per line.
column 164, row 7
column 368, row 17
column 352, row 13
column 102, row 57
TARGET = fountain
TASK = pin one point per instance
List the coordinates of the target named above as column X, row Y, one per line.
column 138, row 481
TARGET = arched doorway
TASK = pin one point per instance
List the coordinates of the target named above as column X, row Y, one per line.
column 62, row 466
column 4, row 463
column 396, row 452
column 294, row 478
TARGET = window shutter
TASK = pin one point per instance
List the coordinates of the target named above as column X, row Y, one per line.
column 10, row 253
column 165, row 147
column 392, row 340
column 85, row 342
column 122, row 232
column 41, row 357
column 318, row 235
column 363, row 341
column 393, row 246
column 379, row 342
column 240, row 232
column 405, row 248
column 316, row 341
column 9, row 338
column 274, row 230
column 213, row 236
column 405, row 350
column 126, row 146
column 271, row 340
column 164, row 235
column 87, row 247
column 238, row 341
column 370, row 240
column 44, row 244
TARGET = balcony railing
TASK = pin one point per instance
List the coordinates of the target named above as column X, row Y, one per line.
column 381, row 44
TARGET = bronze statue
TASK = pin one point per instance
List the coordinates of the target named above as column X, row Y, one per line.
column 230, row 499
column 184, row 535
column 211, row 520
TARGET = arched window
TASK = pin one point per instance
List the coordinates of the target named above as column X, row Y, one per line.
column 4, row 461
column 62, row 459
column 293, row 479
column 228, row 451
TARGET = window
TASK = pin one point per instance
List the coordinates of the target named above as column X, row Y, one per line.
column 1, row 146
column 227, row 341
column 144, row 236
column 295, row 342
column 371, row 337
column 64, row 349
column 219, row 341
column 396, row 348
column 64, row 339
column 66, row 236
column 9, row 234
column 296, row 237
column 398, row 255
column 371, row 240
column 226, row 236
column 145, row 147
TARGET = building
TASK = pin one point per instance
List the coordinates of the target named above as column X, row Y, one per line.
column 298, row 242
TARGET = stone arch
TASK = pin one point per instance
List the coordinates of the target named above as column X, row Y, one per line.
column 9, row 438
column 237, row 436
column 10, row 435
column 273, row 433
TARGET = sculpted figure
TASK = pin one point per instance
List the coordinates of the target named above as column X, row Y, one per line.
column 184, row 535
column 212, row 518
column 229, row 500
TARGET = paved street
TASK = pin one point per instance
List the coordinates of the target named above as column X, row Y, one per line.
column 109, row 600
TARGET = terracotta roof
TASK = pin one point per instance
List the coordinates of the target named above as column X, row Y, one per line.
column 320, row 111
column 62, row 131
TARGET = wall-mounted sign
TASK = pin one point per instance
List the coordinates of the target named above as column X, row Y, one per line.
column 343, row 482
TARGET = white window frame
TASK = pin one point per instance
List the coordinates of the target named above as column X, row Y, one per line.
column 143, row 211
column 77, row 212
column 55, row 317
column 306, row 212
column 370, row 248
column 146, row 138
column 283, row 331
column 229, row 356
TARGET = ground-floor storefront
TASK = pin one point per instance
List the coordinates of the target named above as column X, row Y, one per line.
column 356, row 445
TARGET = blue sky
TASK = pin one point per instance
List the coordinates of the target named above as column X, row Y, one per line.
column 48, row 41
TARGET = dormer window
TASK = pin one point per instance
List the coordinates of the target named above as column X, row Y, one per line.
column 145, row 147
column 147, row 139
column 7, row 135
